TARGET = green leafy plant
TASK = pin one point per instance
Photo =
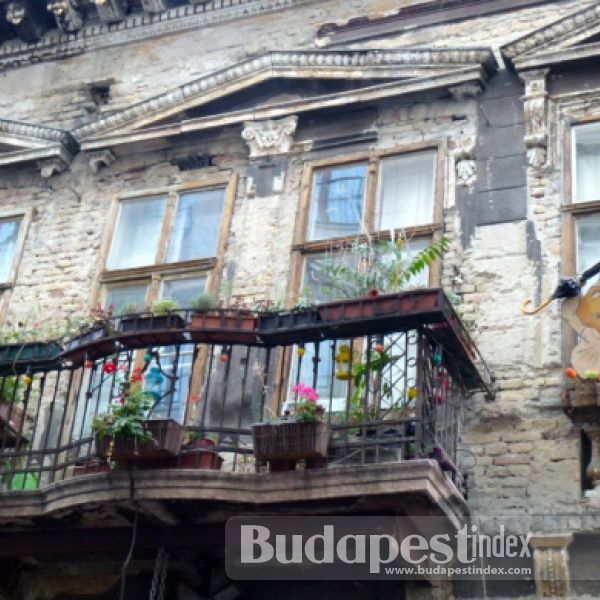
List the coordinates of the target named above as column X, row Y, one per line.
column 12, row 390
column 356, row 270
column 126, row 416
column 130, row 309
column 204, row 302
column 165, row 306
column 306, row 409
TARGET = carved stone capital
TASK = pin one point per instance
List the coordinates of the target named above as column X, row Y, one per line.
column 465, row 91
column 270, row 137
column 68, row 17
column 51, row 166
column 466, row 167
column 536, row 116
column 102, row 158
column 551, row 561
column 111, row 11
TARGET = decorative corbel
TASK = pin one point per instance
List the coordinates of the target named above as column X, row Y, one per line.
column 536, row 113
column 51, row 166
column 102, row 158
column 551, row 562
column 466, row 167
column 67, row 15
column 155, row 6
column 29, row 22
column 266, row 138
column 465, row 91
column 111, row 11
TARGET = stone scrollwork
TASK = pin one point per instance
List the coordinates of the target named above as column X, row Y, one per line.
column 536, row 122
column 111, row 11
column 270, row 137
column 102, row 158
column 466, row 167
column 67, row 15
column 551, row 563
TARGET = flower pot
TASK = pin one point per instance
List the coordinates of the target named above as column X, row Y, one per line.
column 91, row 469
column 585, row 393
column 29, row 352
column 202, row 443
column 167, row 440
column 290, row 441
column 150, row 322
column 275, row 322
column 281, row 466
column 200, row 459
column 85, row 338
column 227, row 326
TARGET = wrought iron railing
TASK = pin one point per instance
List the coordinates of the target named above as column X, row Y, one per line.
column 392, row 393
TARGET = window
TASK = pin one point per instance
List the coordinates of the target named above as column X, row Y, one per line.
column 165, row 245
column 584, row 210
column 10, row 228
column 377, row 197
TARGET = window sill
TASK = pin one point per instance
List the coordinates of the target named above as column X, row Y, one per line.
column 203, row 264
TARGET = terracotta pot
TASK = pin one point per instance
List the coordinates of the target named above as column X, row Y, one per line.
column 201, row 443
column 200, row 459
column 90, row 469
column 224, row 320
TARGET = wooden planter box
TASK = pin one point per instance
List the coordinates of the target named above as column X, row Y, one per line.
column 149, row 323
column 228, row 327
column 380, row 306
column 168, row 438
column 274, row 322
column 290, row 441
column 585, row 393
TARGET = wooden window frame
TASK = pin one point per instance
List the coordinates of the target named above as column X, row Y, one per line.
column 373, row 158
column 25, row 217
column 154, row 274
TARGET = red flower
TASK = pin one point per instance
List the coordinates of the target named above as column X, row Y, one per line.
column 88, row 364
column 109, row 367
column 374, row 293
column 136, row 375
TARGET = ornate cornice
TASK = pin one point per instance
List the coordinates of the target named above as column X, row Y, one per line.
column 51, row 149
column 324, row 64
column 570, row 29
column 62, row 44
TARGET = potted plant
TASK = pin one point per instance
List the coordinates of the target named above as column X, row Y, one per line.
column 125, row 434
column 363, row 282
column 221, row 324
column 163, row 315
column 199, row 453
column 304, row 436
column 11, row 415
column 91, row 330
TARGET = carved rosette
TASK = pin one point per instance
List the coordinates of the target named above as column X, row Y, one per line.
column 267, row 138
column 536, row 116
column 466, row 167
column 551, row 562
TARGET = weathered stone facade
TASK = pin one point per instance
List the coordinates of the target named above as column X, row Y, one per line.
column 501, row 129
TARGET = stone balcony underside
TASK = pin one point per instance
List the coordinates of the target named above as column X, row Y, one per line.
column 181, row 498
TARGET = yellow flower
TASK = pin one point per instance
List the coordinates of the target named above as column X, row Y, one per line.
column 412, row 392
column 300, row 351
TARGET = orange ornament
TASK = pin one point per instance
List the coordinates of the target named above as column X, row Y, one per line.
column 570, row 373
column 378, row 347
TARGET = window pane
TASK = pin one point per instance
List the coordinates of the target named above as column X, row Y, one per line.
column 9, row 231
column 587, row 183
column 588, row 242
column 337, row 203
column 131, row 297
column 183, row 291
column 406, row 189
column 197, row 225
column 137, row 233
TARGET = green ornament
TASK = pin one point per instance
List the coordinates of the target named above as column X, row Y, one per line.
column 147, row 357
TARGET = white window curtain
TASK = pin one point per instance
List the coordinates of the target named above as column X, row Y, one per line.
column 405, row 191
column 587, row 158
column 9, row 232
column 196, row 229
column 137, row 233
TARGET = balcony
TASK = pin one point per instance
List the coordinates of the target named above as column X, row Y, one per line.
column 392, row 374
